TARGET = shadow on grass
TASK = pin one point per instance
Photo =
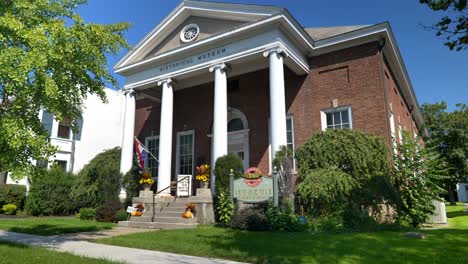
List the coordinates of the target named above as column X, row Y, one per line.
column 456, row 214
column 379, row 247
column 49, row 230
column 13, row 245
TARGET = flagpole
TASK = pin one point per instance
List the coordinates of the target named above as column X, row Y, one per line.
column 144, row 147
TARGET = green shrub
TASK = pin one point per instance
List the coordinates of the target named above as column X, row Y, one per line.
column 107, row 211
column 329, row 222
column 99, row 181
column 131, row 184
column 87, row 214
column 251, row 219
column 49, row 193
column 417, row 172
column 223, row 168
column 224, row 207
column 344, row 169
column 13, row 194
column 9, row 209
column 283, row 218
column 121, row 215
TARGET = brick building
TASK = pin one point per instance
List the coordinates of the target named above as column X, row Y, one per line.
column 218, row 78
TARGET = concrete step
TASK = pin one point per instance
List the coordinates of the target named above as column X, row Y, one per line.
column 164, row 213
column 160, row 219
column 157, row 225
column 161, row 200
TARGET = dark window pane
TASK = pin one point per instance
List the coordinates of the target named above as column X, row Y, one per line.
column 345, row 116
column 289, row 124
column 47, row 121
column 329, row 119
column 345, row 125
column 289, row 137
column 337, row 118
column 235, row 125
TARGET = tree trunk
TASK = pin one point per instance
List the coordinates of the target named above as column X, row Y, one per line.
column 451, row 196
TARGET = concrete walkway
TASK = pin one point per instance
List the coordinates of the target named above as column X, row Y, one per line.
column 114, row 253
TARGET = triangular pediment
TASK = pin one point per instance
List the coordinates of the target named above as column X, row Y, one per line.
column 207, row 27
column 211, row 17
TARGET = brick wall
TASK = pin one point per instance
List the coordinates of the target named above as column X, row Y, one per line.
column 352, row 77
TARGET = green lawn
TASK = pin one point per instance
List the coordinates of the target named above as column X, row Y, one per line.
column 457, row 217
column 48, row 226
column 14, row 253
column 448, row 245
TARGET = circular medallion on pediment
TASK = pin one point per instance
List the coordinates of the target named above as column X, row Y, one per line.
column 189, row 33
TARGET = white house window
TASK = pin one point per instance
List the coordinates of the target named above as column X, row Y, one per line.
column 62, row 164
column 152, row 144
column 185, row 153
column 47, row 121
column 189, row 33
column 337, row 118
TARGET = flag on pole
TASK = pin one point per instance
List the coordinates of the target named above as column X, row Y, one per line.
column 142, row 155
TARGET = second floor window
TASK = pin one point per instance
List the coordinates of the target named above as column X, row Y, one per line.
column 64, row 129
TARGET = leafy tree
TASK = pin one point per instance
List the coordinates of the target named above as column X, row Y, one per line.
column 454, row 26
column 99, row 180
column 448, row 136
column 344, row 170
column 52, row 59
column 417, row 171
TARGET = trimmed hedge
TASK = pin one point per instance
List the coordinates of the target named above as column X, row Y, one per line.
column 50, row 193
column 13, row 194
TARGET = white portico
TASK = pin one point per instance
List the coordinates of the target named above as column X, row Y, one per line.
column 186, row 50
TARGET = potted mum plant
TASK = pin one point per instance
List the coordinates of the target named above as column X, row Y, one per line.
column 146, row 180
column 203, row 175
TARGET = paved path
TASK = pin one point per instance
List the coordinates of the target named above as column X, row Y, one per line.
column 115, row 231
column 114, row 253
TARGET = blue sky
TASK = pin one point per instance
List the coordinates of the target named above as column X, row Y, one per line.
column 436, row 73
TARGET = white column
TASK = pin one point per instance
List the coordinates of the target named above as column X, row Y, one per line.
column 165, row 137
column 126, row 158
column 220, row 136
column 277, row 100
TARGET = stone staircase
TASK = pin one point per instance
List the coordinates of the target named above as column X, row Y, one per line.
column 168, row 214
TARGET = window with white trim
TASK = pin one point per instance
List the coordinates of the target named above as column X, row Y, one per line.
column 337, row 118
column 184, row 165
column 152, row 145
column 393, row 132
column 290, row 136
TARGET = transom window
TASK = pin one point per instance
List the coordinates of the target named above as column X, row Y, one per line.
column 185, row 153
column 337, row 118
column 152, row 144
column 235, row 124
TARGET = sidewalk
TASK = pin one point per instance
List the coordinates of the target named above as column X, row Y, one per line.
column 114, row 253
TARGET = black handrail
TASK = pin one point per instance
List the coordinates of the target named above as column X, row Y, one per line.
column 154, row 195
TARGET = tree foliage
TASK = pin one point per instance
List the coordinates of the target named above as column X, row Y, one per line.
column 99, row 180
column 342, row 170
column 448, row 136
column 52, row 59
column 223, row 168
column 417, row 171
column 453, row 26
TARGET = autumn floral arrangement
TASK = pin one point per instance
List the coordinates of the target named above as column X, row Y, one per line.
column 252, row 173
column 190, row 210
column 138, row 210
column 146, row 178
column 203, row 173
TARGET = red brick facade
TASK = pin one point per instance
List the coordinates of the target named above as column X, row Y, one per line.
column 355, row 77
